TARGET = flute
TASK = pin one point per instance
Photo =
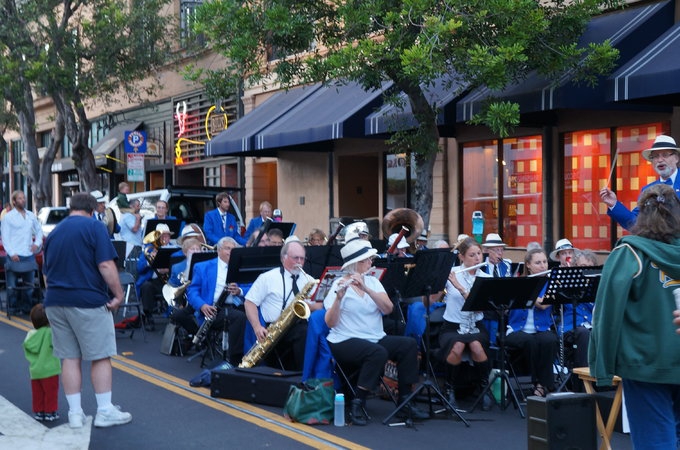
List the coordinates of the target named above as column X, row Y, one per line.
column 464, row 269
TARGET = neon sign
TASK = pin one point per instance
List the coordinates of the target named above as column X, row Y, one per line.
column 213, row 122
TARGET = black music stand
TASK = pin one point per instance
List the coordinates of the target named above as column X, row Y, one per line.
column 394, row 282
column 173, row 224
column 197, row 258
column 501, row 295
column 431, row 270
column 163, row 258
column 318, row 257
column 571, row 285
column 247, row 263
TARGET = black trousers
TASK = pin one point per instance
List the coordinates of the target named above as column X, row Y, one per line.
column 290, row 349
column 149, row 291
column 579, row 336
column 230, row 317
column 371, row 357
column 540, row 350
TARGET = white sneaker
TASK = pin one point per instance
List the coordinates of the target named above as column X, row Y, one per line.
column 112, row 416
column 76, row 419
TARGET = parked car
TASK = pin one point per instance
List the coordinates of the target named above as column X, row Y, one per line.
column 188, row 204
column 50, row 216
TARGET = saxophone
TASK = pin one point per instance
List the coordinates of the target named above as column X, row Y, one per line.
column 297, row 308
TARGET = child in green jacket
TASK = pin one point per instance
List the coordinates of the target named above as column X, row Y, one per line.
column 44, row 367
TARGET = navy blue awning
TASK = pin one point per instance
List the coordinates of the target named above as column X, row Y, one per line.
column 332, row 112
column 653, row 74
column 399, row 116
column 239, row 137
column 629, row 30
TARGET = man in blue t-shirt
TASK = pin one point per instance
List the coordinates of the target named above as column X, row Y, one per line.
column 82, row 289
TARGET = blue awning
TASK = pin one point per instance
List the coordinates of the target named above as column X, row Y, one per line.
column 239, row 137
column 399, row 116
column 629, row 30
column 332, row 112
column 653, row 74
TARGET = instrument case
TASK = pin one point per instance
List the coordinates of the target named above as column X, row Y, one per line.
column 263, row 385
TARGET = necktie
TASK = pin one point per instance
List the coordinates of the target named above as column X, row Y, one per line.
column 224, row 222
column 296, row 291
column 496, row 273
column 668, row 182
column 101, row 217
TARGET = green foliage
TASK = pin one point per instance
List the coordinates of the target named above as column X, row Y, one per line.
column 410, row 42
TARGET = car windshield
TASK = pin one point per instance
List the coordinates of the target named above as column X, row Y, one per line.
column 55, row 216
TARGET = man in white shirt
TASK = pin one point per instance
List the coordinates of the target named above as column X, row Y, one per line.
column 272, row 292
column 22, row 238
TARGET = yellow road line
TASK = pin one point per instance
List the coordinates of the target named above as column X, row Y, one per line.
column 244, row 411
column 198, row 395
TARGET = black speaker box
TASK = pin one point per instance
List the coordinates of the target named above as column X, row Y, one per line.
column 562, row 422
column 263, row 385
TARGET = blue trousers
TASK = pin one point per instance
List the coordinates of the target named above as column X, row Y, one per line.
column 654, row 414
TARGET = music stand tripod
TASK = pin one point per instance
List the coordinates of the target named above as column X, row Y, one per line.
column 571, row 285
column 501, row 295
column 429, row 275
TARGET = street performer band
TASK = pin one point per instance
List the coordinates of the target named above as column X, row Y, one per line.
column 268, row 320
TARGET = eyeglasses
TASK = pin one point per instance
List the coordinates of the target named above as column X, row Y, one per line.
column 664, row 155
column 296, row 258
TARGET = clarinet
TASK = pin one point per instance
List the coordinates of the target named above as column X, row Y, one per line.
column 202, row 332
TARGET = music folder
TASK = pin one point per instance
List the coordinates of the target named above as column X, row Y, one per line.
column 200, row 257
column 163, row 259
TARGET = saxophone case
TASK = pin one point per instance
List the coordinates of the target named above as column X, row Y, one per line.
column 260, row 384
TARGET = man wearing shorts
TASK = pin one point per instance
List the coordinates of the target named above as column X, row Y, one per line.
column 80, row 271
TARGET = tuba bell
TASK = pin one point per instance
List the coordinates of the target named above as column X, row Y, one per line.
column 403, row 217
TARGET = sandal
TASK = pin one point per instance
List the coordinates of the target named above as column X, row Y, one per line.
column 539, row 391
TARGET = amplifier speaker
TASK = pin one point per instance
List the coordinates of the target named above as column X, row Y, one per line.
column 562, row 422
column 263, row 385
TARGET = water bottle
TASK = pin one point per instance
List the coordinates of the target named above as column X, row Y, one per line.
column 339, row 417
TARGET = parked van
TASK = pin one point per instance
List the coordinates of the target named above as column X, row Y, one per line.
column 188, row 204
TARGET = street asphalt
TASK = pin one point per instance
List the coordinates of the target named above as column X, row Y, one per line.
column 169, row 414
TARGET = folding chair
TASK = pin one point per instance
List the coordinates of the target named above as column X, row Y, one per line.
column 127, row 281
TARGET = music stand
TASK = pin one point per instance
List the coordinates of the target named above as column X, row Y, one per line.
column 571, row 285
column 429, row 275
column 394, row 282
column 163, row 258
column 501, row 295
column 197, row 258
column 173, row 224
column 247, row 263
column 318, row 257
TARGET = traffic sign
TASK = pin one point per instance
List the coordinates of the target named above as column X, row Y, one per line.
column 135, row 142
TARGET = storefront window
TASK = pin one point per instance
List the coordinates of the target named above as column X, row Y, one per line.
column 522, row 191
column 400, row 175
column 506, row 188
column 587, row 169
column 633, row 172
column 480, row 188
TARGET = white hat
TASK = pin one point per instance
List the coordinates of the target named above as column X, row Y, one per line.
column 402, row 242
column 493, row 240
column 291, row 238
column 101, row 198
column 355, row 230
column 462, row 237
column 355, row 251
column 662, row 142
column 422, row 237
column 188, row 232
column 163, row 228
column 562, row 244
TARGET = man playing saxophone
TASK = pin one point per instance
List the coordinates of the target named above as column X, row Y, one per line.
column 271, row 292
column 208, row 287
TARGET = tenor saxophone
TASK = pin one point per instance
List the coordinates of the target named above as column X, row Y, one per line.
column 296, row 309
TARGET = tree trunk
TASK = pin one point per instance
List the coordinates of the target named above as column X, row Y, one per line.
column 26, row 116
column 45, row 183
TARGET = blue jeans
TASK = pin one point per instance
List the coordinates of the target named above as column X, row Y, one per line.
column 654, row 414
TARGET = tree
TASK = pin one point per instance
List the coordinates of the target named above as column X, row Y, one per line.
column 412, row 43
column 78, row 52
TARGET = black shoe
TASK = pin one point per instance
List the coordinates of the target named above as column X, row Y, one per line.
column 356, row 413
column 410, row 410
column 451, row 398
column 149, row 324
